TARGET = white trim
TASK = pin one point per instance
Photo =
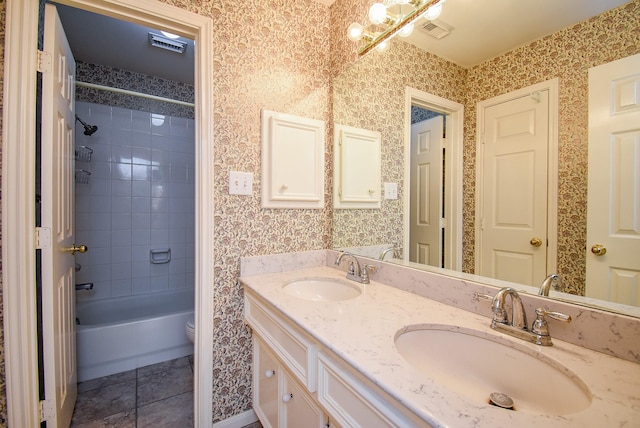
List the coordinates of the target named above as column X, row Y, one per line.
column 18, row 213
column 453, row 166
column 18, row 202
column 552, row 163
column 238, row 421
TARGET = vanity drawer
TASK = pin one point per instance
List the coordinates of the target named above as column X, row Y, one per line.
column 292, row 346
column 353, row 401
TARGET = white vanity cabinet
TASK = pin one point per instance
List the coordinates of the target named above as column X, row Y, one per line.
column 278, row 399
column 297, row 382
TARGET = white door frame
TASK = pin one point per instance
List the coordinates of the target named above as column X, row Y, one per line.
column 552, row 163
column 18, row 201
column 453, row 167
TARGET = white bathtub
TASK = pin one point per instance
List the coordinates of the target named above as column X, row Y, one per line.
column 124, row 333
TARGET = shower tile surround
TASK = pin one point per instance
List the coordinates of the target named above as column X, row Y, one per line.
column 614, row 394
column 140, row 196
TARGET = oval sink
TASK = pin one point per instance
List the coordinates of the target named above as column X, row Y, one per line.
column 322, row 289
column 477, row 364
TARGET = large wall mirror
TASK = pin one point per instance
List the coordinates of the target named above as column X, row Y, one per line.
column 379, row 89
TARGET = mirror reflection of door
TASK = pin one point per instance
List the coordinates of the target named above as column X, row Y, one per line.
column 426, row 190
column 512, row 188
column 613, row 209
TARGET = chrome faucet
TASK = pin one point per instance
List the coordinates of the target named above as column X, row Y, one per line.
column 355, row 273
column 539, row 333
column 387, row 251
column 518, row 315
column 552, row 280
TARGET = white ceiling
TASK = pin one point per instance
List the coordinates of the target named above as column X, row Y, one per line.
column 483, row 29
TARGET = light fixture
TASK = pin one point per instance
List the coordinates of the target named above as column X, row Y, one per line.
column 406, row 30
column 396, row 17
column 170, row 35
column 433, row 12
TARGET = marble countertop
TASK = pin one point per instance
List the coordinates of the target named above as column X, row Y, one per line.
column 362, row 330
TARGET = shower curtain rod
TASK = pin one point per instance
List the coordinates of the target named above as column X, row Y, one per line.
column 135, row 94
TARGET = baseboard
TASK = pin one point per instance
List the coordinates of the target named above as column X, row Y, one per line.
column 238, row 421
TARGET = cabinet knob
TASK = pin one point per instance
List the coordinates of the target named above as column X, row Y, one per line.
column 287, row 397
column 270, row 373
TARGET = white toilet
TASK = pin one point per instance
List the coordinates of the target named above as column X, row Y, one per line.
column 191, row 329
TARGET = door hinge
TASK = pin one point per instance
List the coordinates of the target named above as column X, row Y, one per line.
column 43, row 238
column 44, row 62
column 46, row 410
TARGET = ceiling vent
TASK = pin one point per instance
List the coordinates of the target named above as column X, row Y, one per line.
column 163, row 42
column 436, row 29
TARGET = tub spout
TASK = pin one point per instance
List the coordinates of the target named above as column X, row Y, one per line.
column 85, row 286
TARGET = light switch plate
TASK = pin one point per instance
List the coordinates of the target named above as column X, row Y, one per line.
column 391, row 190
column 240, row 183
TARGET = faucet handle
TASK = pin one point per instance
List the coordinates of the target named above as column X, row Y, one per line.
column 555, row 315
column 540, row 326
column 364, row 274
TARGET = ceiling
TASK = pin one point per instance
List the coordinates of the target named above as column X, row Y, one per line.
column 485, row 29
column 99, row 39
column 478, row 34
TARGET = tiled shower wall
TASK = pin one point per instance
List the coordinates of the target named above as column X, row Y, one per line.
column 139, row 197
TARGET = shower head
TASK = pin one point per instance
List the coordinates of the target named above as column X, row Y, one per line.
column 88, row 129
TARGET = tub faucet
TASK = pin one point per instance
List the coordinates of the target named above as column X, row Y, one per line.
column 85, row 286
column 554, row 280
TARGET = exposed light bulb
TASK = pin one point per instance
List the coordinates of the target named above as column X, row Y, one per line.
column 433, row 12
column 377, row 13
column 355, row 31
column 406, row 30
column 383, row 46
column 170, row 35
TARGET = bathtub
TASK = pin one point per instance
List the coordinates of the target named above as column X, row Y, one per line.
column 124, row 333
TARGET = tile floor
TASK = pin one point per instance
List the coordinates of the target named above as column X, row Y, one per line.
column 158, row 396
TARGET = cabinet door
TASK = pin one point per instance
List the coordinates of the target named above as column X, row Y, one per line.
column 298, row 409
column 265, row 385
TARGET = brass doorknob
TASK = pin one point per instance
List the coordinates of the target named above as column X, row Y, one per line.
column 536, row 242
column 76, row 248
column 599, row 250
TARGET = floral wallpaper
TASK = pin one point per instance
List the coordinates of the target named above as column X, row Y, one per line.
column 370, row 94
column 137, row 82
column 567, row 55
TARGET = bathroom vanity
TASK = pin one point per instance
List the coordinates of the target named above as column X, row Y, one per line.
column 340, row 353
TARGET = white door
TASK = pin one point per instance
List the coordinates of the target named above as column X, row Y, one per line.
column 425, row 233
column 613, row 207
column 512, row 190
column 58, row 274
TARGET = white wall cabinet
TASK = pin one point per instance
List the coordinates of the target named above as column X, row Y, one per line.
column 292, row 161
column 299, row 383
column 357, row 168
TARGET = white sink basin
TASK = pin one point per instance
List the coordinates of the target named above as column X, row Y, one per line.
column 323, row 289
column 476, row 364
